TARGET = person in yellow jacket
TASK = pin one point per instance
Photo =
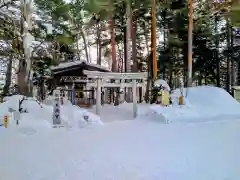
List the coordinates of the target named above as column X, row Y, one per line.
column 165, row 97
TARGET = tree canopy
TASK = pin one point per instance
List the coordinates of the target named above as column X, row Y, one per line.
column 67, row 30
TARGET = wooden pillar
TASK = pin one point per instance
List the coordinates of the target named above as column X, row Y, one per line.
column 98, row 96
column 134, row 92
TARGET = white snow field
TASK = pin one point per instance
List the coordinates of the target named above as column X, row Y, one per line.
column 124, row 111
column 139, row 149
column 205, row 103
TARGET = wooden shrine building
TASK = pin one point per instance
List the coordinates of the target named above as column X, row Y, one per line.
column 70, row 74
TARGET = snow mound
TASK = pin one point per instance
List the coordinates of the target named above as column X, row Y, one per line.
column 12, row 102
column 163, row 83
column 76, row 117
column 50, row 100
column 37, row 116
column 203, row 103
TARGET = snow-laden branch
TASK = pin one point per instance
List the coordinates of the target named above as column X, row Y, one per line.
column 8, row 3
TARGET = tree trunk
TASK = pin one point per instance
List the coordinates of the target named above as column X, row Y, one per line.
column 170, row 74
column 113, row 53
column 134, row 46
column 22, row 85
column 233, row 64
column 217, row 49
column 26, row 11
column 99, row 54
column 200, row 80
column 150, row 77
column 113, row 44
column 228, row 58
column 8, row 76
column 190, row 42
column 125, row 48
column 146, row 37
column 153, row 40
column 238, row 70
column 85, row 44
column 97, row 43
column 128, row 35
column 128, row 45
column 78, row 48
column 146, row 96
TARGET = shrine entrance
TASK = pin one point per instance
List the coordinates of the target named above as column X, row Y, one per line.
column 118, row 80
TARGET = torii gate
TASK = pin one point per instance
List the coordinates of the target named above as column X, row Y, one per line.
column 101, row 78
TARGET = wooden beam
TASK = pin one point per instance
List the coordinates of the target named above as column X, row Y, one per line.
column 116, row 85
column 112, row 75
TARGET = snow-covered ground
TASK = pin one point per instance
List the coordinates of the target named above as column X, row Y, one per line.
column 139, row 149
column 111, row 113
column 205, row 103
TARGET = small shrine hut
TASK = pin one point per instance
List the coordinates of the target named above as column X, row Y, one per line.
column 69, row 77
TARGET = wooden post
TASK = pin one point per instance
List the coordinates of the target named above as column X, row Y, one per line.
column 16, row 117
column 134, row 93
column 181, row 100
column 73, row 94
column 98, row 97
column 6, row 121
column 61, row 96
column 66, row 92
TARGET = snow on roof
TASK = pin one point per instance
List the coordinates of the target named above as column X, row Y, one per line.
column 73, row 63
column 66, row 64
column 99, row 66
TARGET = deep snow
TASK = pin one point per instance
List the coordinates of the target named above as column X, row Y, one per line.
column 205, row 103
column 131, row 150
column 40, row 115
column 140, row 149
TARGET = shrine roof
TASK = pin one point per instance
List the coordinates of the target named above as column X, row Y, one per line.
column 75, row 66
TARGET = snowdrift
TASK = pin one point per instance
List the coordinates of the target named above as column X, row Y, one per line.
column 201, row 104
column 37, row 115
column 50, row 101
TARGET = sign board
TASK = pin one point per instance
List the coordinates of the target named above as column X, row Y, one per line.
column 56, row 114
column 16, row 116
column 56, row 109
